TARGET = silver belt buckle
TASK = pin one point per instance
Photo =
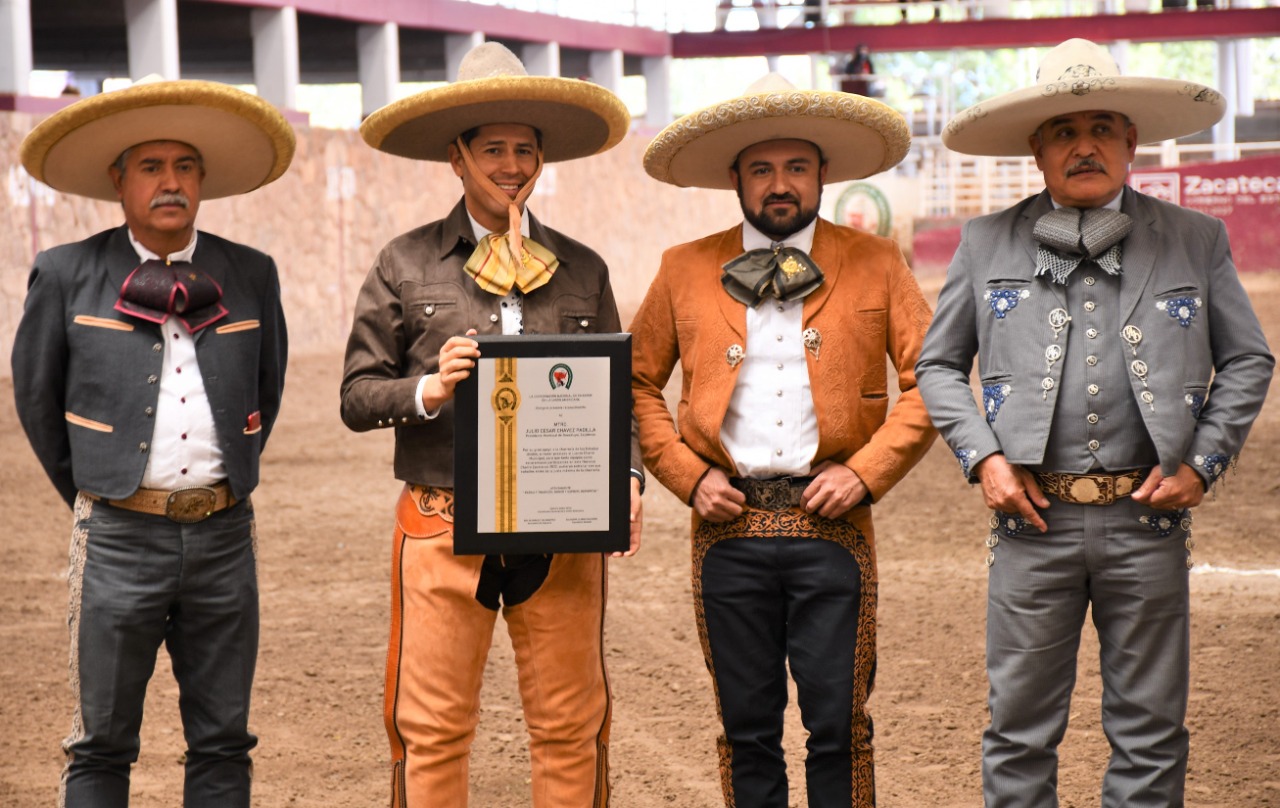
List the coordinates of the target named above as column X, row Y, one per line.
column 190, row 505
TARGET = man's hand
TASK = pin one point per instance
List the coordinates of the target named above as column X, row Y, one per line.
column 637, row 516
column 715, row 500
column 835, row 490
column 1183, row 490
column 458, row 356
column 1011, row 489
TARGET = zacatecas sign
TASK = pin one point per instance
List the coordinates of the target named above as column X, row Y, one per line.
column 1244, row 194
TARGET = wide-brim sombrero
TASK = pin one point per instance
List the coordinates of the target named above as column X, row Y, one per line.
column 576, row 118
column 1080, row 76
column 245, row 142
column 858, row 136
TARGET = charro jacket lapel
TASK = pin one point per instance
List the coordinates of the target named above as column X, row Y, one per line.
column 735, row 313
column 828, row 259
column 1138, row 254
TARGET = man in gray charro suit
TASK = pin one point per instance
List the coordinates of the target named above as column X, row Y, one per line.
column 1121, row 367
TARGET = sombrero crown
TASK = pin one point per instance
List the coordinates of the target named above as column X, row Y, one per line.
column 576, row 118
column 245, row 141
column 858, row 136
column 1078, row 76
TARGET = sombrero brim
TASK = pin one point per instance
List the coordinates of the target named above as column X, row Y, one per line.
column 1160, row 109
column 858, row 136
column 245, row 141
column 576, row 118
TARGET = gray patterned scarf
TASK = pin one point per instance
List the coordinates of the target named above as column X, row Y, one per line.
column 1069, row 236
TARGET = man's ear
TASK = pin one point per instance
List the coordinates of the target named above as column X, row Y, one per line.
column 116, row 177
column 455, row 160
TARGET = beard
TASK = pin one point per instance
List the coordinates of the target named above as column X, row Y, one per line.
column 778, row 226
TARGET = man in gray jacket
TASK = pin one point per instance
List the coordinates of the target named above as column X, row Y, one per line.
column 1121, row 367
column 147, row 371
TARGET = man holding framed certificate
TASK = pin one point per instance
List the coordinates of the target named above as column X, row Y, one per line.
column 489, row 268
column 782, row 325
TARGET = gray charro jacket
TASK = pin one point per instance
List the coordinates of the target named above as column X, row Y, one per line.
column 416, row 296
column 1208, row 372
column 85, row 376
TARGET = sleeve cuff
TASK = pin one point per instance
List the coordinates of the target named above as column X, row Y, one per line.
column 418, row 406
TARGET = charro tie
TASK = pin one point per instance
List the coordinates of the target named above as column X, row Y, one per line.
column 1069, row 236
column 157, row 290
column 786, row 273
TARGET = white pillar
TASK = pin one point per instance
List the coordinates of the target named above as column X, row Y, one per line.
column 657, row 89
column 1242, row 50
column 1224, row 132
column 152, row 37
column 541, row 58
column 275, row 55
column 606, row 69
column 378, row 53
column 15, row 46
column 455, row 47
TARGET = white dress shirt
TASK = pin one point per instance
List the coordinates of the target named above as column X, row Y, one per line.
column 770, row 429
column 184, row 443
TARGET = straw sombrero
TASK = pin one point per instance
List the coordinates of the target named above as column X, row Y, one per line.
column 576, row 118
column 858, row 136
column 1078, row 76
column 244, row 140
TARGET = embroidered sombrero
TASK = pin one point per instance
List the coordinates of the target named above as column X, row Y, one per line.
column 244, row 140
column 576, row 118
column 1078, row 76
column 858, row 136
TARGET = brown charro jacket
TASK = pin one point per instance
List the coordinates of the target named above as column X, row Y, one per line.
column 869, row 306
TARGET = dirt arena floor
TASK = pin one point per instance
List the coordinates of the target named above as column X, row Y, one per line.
column 324, row 523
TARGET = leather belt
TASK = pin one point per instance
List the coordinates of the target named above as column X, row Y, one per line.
column 777, row 494
column 1090, row 489
column 185, row 505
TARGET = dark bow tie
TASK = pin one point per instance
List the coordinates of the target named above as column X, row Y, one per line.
column 786, row 273
column 1069, row 236
column 158, row 290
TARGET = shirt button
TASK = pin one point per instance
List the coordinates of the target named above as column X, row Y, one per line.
column 1093, row 389
column 779, row 366
column 1094, row 445
column 184, row 435
column 142, row 447
column 779, row 394
column 1092, row 418
column 493, row 318
column 1091, row 360
column 779, row 338
column 1089, row 280
column 779, row 307
column 779, row 422
column 777, row 452
column 1091, row 333
column 1089, row 305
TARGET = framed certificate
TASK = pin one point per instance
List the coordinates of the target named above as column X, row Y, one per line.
column 542, row 446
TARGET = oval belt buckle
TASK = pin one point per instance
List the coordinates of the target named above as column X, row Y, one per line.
column 190, row 505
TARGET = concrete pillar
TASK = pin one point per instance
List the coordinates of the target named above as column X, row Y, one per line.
column 1224, row 132
column 153, row 38
column 455, row 47
column 275, row 55
column 606, row 69
column 541, row 58
column 15, row 47
column 378, row 53
column 657, row 89
column 1243, row 55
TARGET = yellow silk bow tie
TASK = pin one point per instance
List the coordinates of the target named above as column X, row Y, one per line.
column 494, row 267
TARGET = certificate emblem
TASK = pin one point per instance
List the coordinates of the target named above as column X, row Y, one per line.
column 560, row 376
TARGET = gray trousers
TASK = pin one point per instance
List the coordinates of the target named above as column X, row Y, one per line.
column 1129, row 563
column 137, row 581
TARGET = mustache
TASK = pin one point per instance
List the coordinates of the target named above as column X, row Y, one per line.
column 1086, row 164
column 171, row 198
column 771, row 198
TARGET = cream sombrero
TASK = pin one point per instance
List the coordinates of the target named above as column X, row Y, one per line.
column 576, row 118
column 244, row 140
column 1078, row 76
column 858, row 136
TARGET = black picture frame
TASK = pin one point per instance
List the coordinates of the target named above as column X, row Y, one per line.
column 468, row 466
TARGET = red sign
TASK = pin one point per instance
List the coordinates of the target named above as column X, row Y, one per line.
column 1244, row 194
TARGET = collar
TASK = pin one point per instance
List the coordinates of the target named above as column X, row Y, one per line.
column 1114, row 204
column 146, row 255
column 481, row 231
column 753, row 239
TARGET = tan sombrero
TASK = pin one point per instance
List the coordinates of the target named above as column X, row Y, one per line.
column 858, row 136
column 244, row 140
column 576, row 118
column 1078, row 76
